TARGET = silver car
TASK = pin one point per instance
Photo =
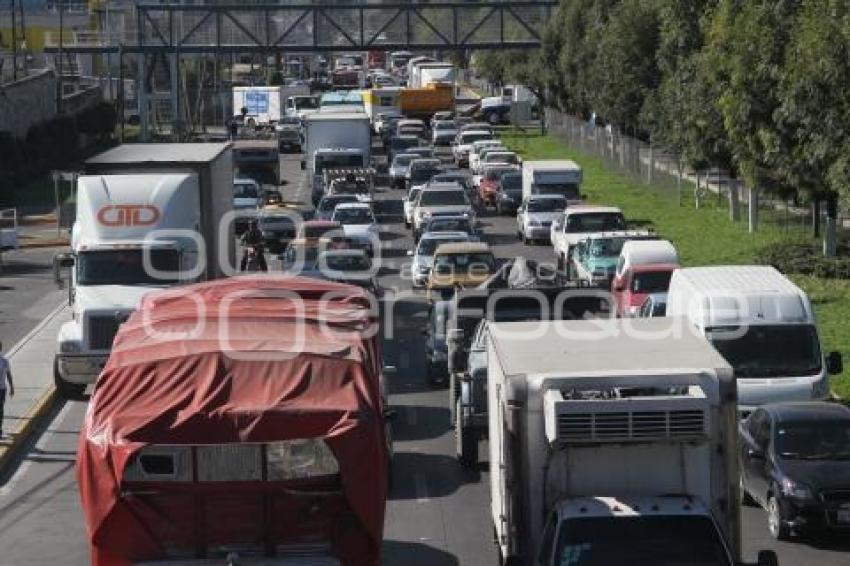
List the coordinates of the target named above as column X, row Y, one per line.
column 535, row 216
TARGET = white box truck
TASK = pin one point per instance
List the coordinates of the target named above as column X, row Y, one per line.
column 763, row 324
column 551, row 176
column 148, row 216
column 264, row 105
column 611, row 442
column 339, row 140
column 432, row 73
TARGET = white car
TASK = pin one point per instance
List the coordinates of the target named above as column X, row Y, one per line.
column 440, row 199
column 443, row 132
column 463, row 145
column 423, row 255
column 534, row 217
column 409, row 202
column 358, row 224
column 497, row 155
column 480, row 146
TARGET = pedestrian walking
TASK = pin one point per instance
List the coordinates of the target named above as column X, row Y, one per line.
column 5, row 375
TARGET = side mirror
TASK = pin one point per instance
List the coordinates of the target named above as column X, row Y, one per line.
column 767, row 558
column 303, row 165
column 755, row 454
column 834, row 363
column 390, row 414
column 618, row 286
column 64, row 260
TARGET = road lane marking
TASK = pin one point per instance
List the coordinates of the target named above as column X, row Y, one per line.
column 421, row 488
column 42, row 442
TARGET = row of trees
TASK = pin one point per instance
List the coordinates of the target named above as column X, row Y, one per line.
column 758, row 87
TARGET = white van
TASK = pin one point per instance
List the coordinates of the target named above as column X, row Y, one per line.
column 762, row 324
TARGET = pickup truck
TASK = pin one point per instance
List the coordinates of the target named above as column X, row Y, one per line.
column 594, row 260
column 576, row 223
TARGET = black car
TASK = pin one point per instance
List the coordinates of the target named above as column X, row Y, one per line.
column 510, row 193
column 795, row 463
column 278, row 229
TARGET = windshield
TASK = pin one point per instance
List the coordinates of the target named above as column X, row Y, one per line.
column 640, row 541
column 329, row 203
column 569, row 190
column 420, row 176
column 318, row 231
column 651, row 282
column 546, row 205
column 276, row 223
column 427, row 246
column 353, row 216
column 245, row 190
column 512, row 183
column 403, row 143
column 347, row 262
column 464, row 263
column 444, row 126
column 472, row 138
column 356, row 187
column 343, row 161
column 605, row 247
column 500, row 158
column 824, row 439
column 306, row 103
column 496, row 174
column 445, row 178
column 125, row 267
column 785, row 350
column 403, row 160
column 262, row 174
column 596, row 222
column 443, row 198
column 449, row 225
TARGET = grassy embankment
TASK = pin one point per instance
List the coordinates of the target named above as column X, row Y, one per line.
column 703, row 237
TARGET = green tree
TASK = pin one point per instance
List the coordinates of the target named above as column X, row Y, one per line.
column 813, row 116
column 626, row 69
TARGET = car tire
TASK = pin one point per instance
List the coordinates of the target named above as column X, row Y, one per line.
column 493, row 118
column 776, row 526
column 66, row 389
column 466, row 442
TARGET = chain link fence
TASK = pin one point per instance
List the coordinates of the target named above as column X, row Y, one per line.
column 663, row 173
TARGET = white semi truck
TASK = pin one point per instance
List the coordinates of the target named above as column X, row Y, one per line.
column 148, row 216
column 264, row 105
column 612, row 442
column 337, row 140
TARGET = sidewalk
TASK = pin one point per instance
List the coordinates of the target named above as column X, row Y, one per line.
column 32, row 368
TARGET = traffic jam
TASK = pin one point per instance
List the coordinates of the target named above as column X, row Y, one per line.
column 235, row 303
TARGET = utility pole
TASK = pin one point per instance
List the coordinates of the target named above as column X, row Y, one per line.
column 59, row 65
column 14, row 41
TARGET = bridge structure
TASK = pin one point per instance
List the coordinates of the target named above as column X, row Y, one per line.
column 162, row 34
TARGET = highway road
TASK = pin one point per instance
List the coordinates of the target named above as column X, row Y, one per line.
column 437, row 513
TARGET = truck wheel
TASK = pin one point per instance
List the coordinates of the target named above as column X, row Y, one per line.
column 493, row 118
column 67, row 390
column 466, row 441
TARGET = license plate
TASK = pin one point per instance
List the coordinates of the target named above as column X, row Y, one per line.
column 843, row 514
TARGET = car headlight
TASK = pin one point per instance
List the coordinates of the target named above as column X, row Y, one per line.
column 423, row 214
column 70, row 347
column 795, row 490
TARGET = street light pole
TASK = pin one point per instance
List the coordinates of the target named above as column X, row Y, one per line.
column 59, row 66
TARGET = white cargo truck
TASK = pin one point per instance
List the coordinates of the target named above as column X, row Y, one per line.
column 340, row 140
column 148, row 216
column 432, row 73
column 551, row 177
column 264, row 105
column 611, row 442
column 763, row 324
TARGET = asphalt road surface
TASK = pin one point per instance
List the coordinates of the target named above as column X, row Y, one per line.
column 437, row 513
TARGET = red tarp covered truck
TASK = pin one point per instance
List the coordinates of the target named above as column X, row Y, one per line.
column 239, row 417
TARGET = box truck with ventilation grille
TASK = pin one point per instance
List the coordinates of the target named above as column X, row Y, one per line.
column 611, row 442
column 148, row 216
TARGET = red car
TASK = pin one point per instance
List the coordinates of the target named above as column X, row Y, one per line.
column 631, row 288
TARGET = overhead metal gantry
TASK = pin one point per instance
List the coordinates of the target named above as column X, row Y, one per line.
column 160, row 36
column 316, row 27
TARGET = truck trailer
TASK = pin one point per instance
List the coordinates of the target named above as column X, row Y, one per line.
column 551, row 176
column 612, row 442
column 257, row 437
column 148, row 216
column 263, row 105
